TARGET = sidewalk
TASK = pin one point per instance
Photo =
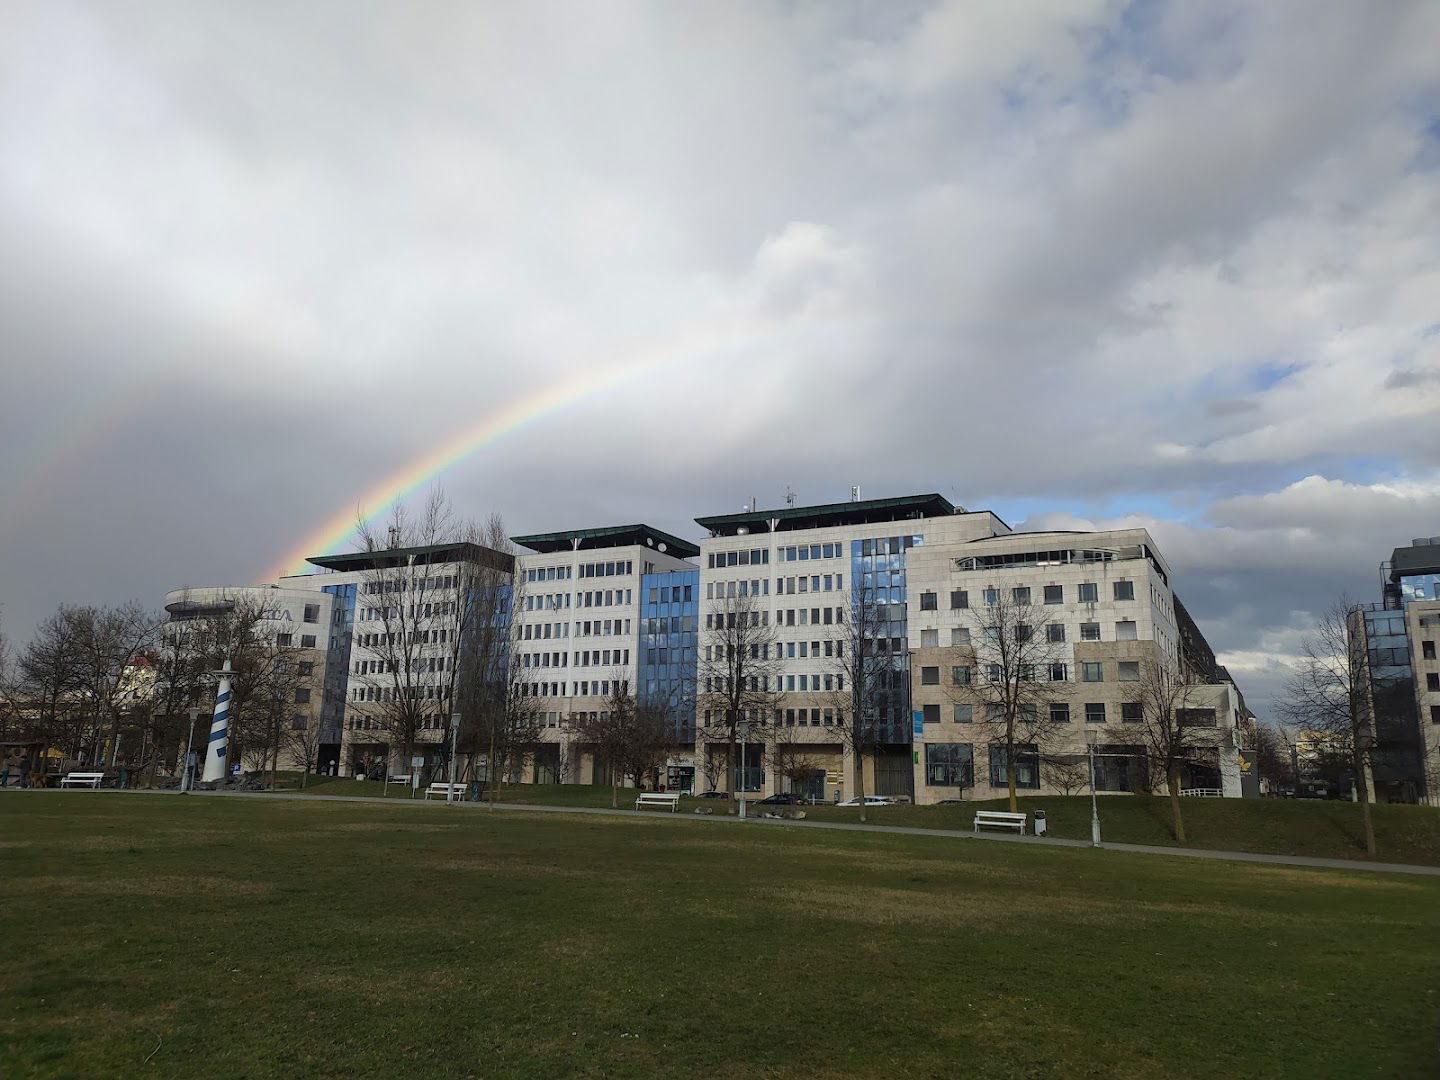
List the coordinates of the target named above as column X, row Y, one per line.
column 957, row 834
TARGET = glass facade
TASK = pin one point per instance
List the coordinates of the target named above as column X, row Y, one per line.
column 1420, row 587
column 669, row 624
column 337, row 673
column 877, row 577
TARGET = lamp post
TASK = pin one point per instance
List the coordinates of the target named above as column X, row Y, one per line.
column 743, row 728
column 1090, row 736
column 189, row 778
column 454, row 741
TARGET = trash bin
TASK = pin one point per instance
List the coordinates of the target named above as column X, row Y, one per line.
column 1039, row 822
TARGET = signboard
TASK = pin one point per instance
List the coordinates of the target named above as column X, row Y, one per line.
column 919, row 718
column 418, row 761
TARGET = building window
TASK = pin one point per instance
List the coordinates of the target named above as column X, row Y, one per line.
column 1124, row 590
column 1195, row 717
column 930, row 714
column 312, row 612
column 929, row 676
column 1094, row 712
column 1435, row 714
column 992, row 596
column 1059, row 672
column 1054, row 632
column 284, row 640
column 306, row 667
column 298, row 723
column 1089, row 592
column 302, row 697
column 1131, row 712
column 307, row 641
column 929, row 601
column 929, row 639
column 1091, row 671
column 960, row 676
column 1427, row 650
column 959, row 635
column 992, row 672
column 1089, row 631
column 949, row 765
column 1027, row 766
column 959, row 598
column 1059, row 712
column 1432, row 681
column 1129, row 671
column 965, row 714
column 1020, row 595
column 1054, row 594
column 1125, row 630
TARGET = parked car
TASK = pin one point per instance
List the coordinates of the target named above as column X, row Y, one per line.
column 786, row 798
column 713, row 795
column 870, row 800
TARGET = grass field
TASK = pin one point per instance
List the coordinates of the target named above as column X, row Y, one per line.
column 257, row 938
column 1270, row 826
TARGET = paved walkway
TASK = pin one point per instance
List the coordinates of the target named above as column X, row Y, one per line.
column 1043, row 841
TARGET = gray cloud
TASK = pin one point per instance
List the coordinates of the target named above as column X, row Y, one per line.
column 252, row 260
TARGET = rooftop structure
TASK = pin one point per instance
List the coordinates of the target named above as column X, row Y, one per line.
column 609, row 537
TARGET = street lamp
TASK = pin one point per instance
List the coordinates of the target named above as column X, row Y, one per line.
column 189, row 778
column 1091, row 735
column 454, row 740
column 743, row 727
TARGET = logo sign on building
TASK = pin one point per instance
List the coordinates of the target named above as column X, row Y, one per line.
column 918, row 716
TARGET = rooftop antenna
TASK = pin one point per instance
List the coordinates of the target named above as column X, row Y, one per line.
column 392, row 537
column 789, row 496
column 855, row 493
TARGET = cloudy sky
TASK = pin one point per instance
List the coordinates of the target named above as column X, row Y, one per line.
column 1081, row 263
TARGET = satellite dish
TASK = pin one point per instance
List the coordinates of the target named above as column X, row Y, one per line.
column 662, row 547
column 651, row 541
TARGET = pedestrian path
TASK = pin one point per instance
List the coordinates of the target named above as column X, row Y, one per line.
column 1000, row 838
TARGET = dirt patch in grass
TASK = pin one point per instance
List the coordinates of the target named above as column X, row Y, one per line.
column 147, row 885
column 386, row 826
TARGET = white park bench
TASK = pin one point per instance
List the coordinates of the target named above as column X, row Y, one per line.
column 82, row 779
column 443, row 790
column 402, row 779
column 658, row 798
column 1000, row 819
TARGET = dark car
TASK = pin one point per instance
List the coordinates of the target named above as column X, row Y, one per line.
column 783, row 799
column 713, row 795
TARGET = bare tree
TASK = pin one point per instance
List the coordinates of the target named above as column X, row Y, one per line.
column 1329, row 691
column 51, row 677
column 1173, row 736
column 1068, row 774
column 868, row 672
column 631, row 736
column 433, row 592
column 1273, row 760
column 1013, row 651
column 737, row 676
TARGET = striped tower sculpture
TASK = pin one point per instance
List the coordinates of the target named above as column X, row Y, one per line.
column 217, row 751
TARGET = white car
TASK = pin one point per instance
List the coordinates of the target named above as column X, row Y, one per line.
column 870, row 800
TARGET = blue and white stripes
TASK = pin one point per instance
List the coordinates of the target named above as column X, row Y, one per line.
column 218, row 748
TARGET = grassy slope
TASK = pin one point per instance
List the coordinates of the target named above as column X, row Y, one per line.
column 296, row 938
column 1272, row 826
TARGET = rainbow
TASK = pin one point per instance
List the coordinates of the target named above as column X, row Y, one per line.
column 404, row 481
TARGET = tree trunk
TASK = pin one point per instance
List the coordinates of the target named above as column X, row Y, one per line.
column 1173, row 782
column 1010, row 764
column 860, row 781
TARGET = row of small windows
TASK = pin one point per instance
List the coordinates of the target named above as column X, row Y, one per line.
column 618, row 568
column 813, row 551
column 442, row 581
column 549, row 573
column 583, row 658
column 1087, row 592
column 1131, row 712
column 427, row 610
column 397, row 693
column 1125, row 630
column 286, row 641
column 417, row 637
column 1090, row 671
column 666, row 594
column 748, row 557
column 589, row 598
column 583, row 688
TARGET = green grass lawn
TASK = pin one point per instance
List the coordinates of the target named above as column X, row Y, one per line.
column 257, row 938
column 1406, row 834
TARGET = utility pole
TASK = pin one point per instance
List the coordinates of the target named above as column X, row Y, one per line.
column 1090, row 737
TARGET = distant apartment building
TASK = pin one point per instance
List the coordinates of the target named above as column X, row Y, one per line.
column 588, row 611
column 1401, row 633
column 1102, row 611
column 291, row 627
